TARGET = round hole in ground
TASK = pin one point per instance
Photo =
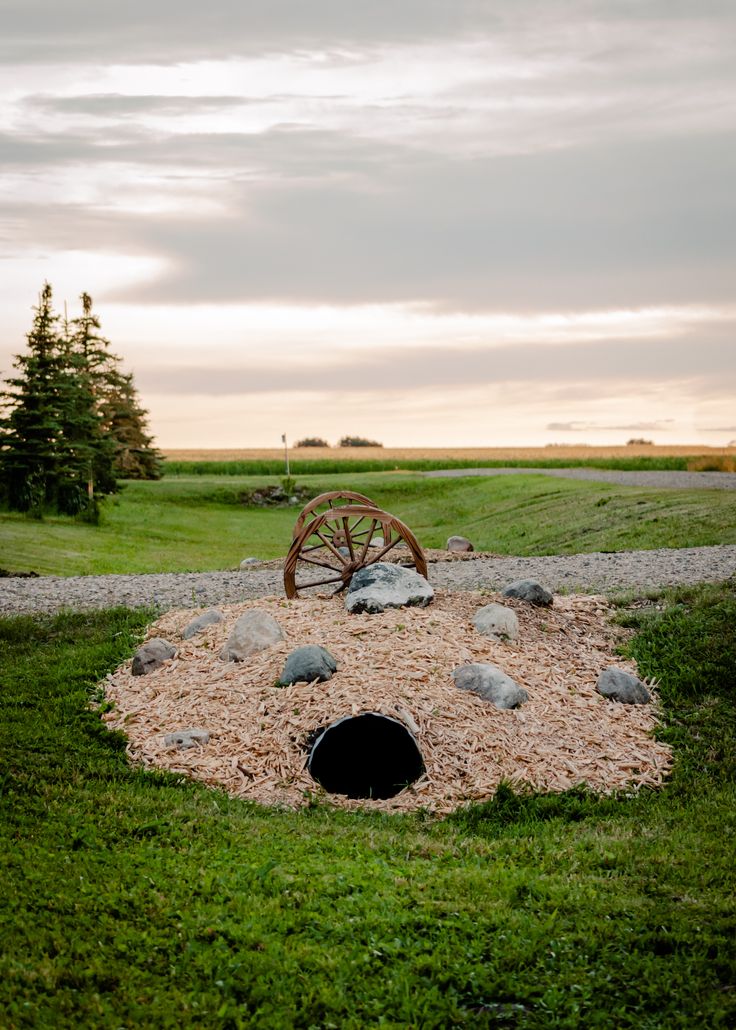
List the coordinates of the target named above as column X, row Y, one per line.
column 365, row 756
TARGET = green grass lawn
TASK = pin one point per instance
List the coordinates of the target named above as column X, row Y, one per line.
column 134, row 898
column 198, row 523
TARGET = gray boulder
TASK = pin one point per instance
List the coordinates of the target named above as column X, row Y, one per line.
column 459, row 544
column 529, row 590
column 247, row 562
column 619, row 685
column 307, row 664
column 377, row 587
column 490, row 683
column 152, row 655
column 496, row 620
column 253, row 632
column 187, row 738
column 197, row 625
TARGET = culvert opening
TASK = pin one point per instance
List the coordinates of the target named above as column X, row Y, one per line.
column 365, row 756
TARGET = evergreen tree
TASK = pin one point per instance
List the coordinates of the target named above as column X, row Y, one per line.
column 31, row 426
column 72, row 420
column 91, row 366
column 125, row 421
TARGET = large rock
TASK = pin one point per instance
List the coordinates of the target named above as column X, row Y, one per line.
column 619, row 685
column 459, row 544
column 201, row 622
column 253, row 632
column 184, row 739
column 496, row 620
column 152, row 655
column 377, row 587
column 490, row 683
column 307, row 664
column 529, row 590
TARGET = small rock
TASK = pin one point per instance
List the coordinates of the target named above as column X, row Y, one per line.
column 307, row 664
column 253, row 632
column 187, row 738
column 152, row 655
column 197, row 625
column 376, row 541
column 459, row 544
column 490, row 683
column 496, row 620
column 529, row 590
column 619, row 685
column 381, row 585
column 247, row 562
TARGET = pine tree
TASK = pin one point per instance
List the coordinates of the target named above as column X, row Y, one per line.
column 31, row 426
column 72, row 419
column 125, row 421
column 91, row 365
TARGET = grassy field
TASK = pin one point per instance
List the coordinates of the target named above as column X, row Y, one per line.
column 135, row 898
column 200, row 523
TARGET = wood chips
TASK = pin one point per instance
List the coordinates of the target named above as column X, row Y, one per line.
column 398, row 663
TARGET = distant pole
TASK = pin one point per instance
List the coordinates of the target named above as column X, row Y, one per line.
column 286, row 453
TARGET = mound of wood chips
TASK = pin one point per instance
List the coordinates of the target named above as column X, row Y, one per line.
column 398, row 663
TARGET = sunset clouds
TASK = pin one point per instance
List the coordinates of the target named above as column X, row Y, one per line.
column 500, row 223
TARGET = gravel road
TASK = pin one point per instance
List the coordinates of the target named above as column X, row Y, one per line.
column 578, row 573
column 660, row 480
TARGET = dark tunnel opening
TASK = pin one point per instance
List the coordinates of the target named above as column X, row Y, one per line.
column 365, row 756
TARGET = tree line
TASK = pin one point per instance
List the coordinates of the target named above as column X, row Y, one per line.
column 71, row 422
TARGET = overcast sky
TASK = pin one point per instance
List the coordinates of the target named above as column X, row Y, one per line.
column 432, row 223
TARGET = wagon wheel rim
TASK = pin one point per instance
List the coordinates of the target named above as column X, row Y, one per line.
column 314, row 549
column 329, row 501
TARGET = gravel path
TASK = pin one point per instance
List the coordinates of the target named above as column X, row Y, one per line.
column 578, row 573
column 661, row 480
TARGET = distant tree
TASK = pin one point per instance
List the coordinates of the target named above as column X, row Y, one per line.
column 639, row 441
column 312, row 441
column 358, row 441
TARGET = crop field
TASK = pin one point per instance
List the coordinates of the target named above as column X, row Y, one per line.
column 326, row 460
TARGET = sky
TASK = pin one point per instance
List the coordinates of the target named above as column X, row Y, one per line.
column 456, row 223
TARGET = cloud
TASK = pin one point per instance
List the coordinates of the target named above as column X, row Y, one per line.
column 320, row 217
column 663, row 425
column 139, row 31
column 619, row 226
column 623, row 366
column 107, row 105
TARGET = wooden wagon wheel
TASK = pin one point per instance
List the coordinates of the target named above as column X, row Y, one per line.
column 337, row 544
column 326, row 502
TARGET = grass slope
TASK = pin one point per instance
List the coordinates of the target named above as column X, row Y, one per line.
column 199, row 524
column 137, row 899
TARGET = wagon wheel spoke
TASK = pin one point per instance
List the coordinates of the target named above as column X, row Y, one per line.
column 319, row 582
column 328, row 543
column 348, row 537
column 315, row 561
column 384, row 550
column 367, row 542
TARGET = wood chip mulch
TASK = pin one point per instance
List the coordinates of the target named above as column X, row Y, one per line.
column 398, row 663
